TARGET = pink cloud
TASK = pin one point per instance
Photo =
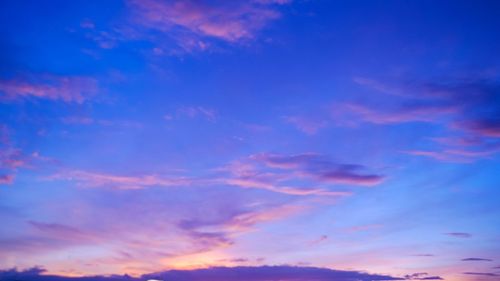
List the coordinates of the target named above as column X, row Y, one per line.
column 320, row 168
column 6, row 179
column 349, row 112
column 92, row 179
column 481, row 127
column 68, row 89
column 61, row 231
column 193, row 20
column 454, row 155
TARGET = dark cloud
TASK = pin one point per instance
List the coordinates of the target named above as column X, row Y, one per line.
column 422, row 276
column 476, row 259
column 267, row 273
column 468, row 108
column 320, row 168
column 216, row 273
column 482, row 274
column 459, row 234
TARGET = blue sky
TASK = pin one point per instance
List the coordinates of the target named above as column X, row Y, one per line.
column 143, row 136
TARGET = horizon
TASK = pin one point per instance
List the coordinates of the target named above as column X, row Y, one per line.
column 250, row 140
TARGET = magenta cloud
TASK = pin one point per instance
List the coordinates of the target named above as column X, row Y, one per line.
column 72, row 89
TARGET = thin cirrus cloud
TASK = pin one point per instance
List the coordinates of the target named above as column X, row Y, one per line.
column 155, row 225
column 467, row 108
column 12, row 158
column 189, row 26
column 94, row 179
column 306, row 125
column 134, row 242
column 320, row 168
column 297, row 175
column 71, row 89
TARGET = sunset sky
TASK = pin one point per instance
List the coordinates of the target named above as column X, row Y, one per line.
column 142, row 136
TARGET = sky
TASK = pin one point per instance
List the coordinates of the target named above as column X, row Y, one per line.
column 249, row 140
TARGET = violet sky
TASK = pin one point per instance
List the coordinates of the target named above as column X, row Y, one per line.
column 142, row 136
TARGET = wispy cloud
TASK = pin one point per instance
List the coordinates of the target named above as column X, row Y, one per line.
column 94, row 179
column 467, row 108
column 188, row 26
column 229, row 22
column 306, row 125
column 320, row 168
column 72, row 89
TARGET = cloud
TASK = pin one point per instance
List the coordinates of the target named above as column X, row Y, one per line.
column 422, row 276
column 476, row 259
column 94, row 179
column 185, row 26
column 6, row 179
column 319, row 240
column 481, row 127
column 487, row 274
column 320, row 168
column 268, row 273
column 405, row 113
column 298, row 175
column 468, row 108
column 306, row 125
column 214, row 273
column 61, row 231
column 71, row 89
column 196, row 112
column 12, row 158
column 459, row 234
column 229, row 22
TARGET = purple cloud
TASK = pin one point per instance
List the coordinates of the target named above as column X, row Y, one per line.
column 476, row 259
column 459, row 234
column 320, row 168
column 422, row 276
column 486, row 274
column 215, row 273
column 267, row 273
column 71, row 89
column 189, row 26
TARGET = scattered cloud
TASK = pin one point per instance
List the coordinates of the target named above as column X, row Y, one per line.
column 188, row 26
column 320, row 168
column 467, row 108
column 71, row 89
column 195, row 20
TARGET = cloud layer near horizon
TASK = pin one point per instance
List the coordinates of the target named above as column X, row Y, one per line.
column 260, row 273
